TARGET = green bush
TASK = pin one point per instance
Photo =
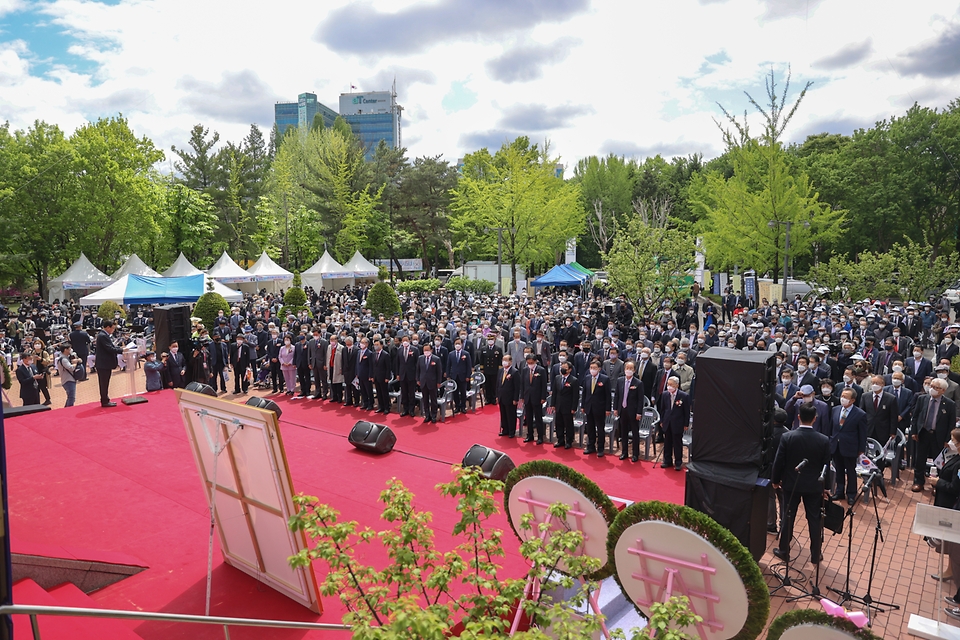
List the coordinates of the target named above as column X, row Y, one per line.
column 294, row 297
column 207, row 307
column 297, row 280
column 758, row 595
column 383, row 299
column 799, row 617
column 575, row 479
column 383, row 273
column 462, row 284
column 108, row 308
column 458, row 283
column 483, row 287
column 418, row 286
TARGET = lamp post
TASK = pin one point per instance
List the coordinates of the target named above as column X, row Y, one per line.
column 786, row 250
column 499, row 231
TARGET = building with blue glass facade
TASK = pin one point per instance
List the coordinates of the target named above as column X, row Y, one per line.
column 301, row 113
column 373, row 116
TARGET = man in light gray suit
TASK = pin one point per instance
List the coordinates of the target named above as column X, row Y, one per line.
column 516, row 346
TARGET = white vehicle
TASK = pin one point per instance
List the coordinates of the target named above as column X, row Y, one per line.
column 952, row 293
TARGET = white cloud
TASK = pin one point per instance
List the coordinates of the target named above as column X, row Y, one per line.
column 610, row 76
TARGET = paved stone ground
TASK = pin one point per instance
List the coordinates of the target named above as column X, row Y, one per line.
column 904, row 561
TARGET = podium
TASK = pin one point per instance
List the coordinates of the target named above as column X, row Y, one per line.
column 944, row 525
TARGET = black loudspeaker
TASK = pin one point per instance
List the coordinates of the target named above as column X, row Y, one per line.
column 171, row 323
column 13, row 412
column 494, row 464
column 735, row 498
column 376, row 438
column 734, row 406
column 263, row 403
column 199, row 387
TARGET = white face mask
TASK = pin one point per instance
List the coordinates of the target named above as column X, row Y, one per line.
column 786, row 381
column 667, row 366
column 942, row 376
column 846, row 402
column 847, row 379
column 917, row 354
column 506, row 364
column 896, row 382
column 952, row 446
column 802, row 368
column 628, row 373
column 644, row 356
column 926, row 388
column 934, row 393
column 700, row 340
column 897, row 368
column 795, row 348
column 173, row 349
column 876, row 388
column 826, row 391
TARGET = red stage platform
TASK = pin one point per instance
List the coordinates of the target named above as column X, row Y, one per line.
column 123, row 481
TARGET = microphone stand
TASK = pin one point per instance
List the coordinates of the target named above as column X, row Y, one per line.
column 867, row 600
column 814, row 591
column 786, row 581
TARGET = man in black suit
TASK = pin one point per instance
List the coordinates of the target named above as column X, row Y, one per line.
column 905, row 398
column 627, row 405
column 490, row 359
column 797, row 466
column 406, row 368
column 176, row 367
column 218, row 357
column 533, row 390
column 918, row 367
column 848, row 442
column 382, row 372
column 595, row 400
column 28, row 378
column 507, row 380
column 317, row 361
column 348, row 365
column 646, row 372
column 429, row 376
column 106, row 360
column 365, row 374
column 459, row 369
column 566, row 396
column 933, row 418
column 240, row 360
column 882, row 411
column 674, row 408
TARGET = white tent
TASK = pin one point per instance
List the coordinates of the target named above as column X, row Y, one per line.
column 362, row 268
column 134, row 265
column 328, row 274
column 132, row 289
column 181, row 267
column 80, row 275
column 265, row 270
column 227, row 271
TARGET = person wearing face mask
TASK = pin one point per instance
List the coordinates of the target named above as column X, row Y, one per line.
column 826, row 395
column 459, row 369
column 175, row 375
column 804, row 375
column 348, row 370
column 627, row 405
column 674, row 407
column 685, row 373
column 541, row 349
column 918, row 367
column 595, row 401
column 566, row 396
column 646, row 372
column 429, row 377
column 934, row 417
column 904, row 396
column 365, row 374
column 786, row 388
column 241, row 357
column 846, row 381
column 613, row 366
column 533, row 391
column 948, row 349
column 507, row 394
column 805, row 395
column 381, row 369
column 287, row 365
column 881, row 409
column 405, row 364
column 942, row 372
column 581, row 360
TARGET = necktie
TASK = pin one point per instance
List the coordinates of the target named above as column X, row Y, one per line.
column 406, row 353
column 932, row 414
column 531, row 376
column 876, row 402
column 626, row 390
column 594, row 385
column 504, row 377
column 843, row 417
column 333, row 353
column 663, row 382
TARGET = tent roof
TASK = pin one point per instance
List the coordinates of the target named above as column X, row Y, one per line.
column 134, row 289
column 134, row 266
column 226, row 270
column 582, row 269
column 266, row 269
column 361, row 267
column 561, row 275
column 82, row 275
column 181, row 267
column 328, row 268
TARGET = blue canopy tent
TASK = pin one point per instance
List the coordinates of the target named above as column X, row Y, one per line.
column 561, row 276
column 134, row 289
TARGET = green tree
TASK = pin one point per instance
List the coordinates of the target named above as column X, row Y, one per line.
column 198, row 165
column 425, row 196
column 188, row 221
column 383, row 299
column 516, row 189
column 606, row 194
column 207, row 306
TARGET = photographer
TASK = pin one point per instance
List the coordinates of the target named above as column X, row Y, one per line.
column 154, row 370
column 67, row 364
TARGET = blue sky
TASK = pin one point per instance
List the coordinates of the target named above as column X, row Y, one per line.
column 592, row 76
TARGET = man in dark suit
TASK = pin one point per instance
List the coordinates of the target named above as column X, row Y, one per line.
column 382, row 371
column 406, row 368
column 541, row 349
column 459, row 369
column 317, row 361
column 218, row 356
column 301, row 359
column 786, row 389
column 627, row 405
column 646, row 372
column 918, row 367
column 933, row 418
column 582, row 359
column 490, row 359
column 674, row 408
column 882, row 411
column 106, row 360
column 176, row 367
column 365, row 374
column 533, row 390
column 507, row 380
column 905, row 399
column 28, row 378
column 797, row 466
column 429, row 376
column 240, row 360
column 805, row 394
column 595, row 400
column 566, row 397
column 848, row 442
column 348, row 365
column 947, row 349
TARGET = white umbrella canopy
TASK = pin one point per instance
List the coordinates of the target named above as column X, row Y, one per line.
column 135, row 266
column 269, row 275
column 327, row 273
column 227, row 271
column 181, row 267
column 80, row 275
column 361, row 267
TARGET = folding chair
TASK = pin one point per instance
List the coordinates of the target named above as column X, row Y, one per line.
column 446, row 400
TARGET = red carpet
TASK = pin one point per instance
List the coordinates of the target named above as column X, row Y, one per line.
column 123, row 481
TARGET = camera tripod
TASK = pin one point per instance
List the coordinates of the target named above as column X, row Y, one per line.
column 845, row 594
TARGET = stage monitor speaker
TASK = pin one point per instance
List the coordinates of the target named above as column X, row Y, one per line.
column 735, row 497
column 13, row 412
column 494, row 464
column 735, row 403
column 199, row 387
column 171, row 323
column 376, row 438
column 264, row 403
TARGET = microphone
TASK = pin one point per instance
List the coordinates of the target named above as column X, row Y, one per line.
column 823, row 474
column 800, row 466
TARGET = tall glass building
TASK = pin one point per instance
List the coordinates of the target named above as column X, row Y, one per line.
column 373, row 116
column 301, row 113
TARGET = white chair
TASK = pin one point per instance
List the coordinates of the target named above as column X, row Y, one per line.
column 549, row 417
column 650, row 418
column 447, row 400
column 394, row 392
column 474, row 392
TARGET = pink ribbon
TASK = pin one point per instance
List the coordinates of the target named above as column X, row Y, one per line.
column 858, row 618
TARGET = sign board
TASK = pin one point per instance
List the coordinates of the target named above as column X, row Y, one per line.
column 407, row 264
column 369, row 102
column 571, row 254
